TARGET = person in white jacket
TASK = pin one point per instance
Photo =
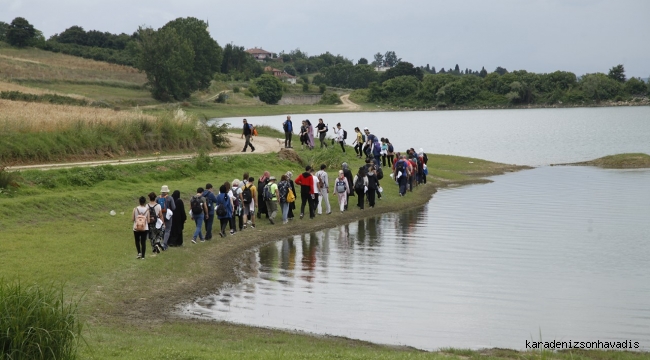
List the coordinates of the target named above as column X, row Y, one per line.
column 339, row 135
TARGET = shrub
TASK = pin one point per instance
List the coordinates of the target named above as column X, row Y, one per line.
column 203, row 161
column 235, row 89
column 219, row 134
column 305, row 87
column 221, row 98
column 37, row 323
column 7, row 179
column 322, row 88
column 45, row 98
column 330, row 99
column 270, row 89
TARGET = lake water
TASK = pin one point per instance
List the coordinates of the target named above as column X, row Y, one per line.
column 524, row 137
column 557, row 253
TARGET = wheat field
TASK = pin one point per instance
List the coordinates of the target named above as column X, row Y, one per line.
column 39, row 117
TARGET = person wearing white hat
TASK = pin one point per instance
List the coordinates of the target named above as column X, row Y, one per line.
column 166, row 202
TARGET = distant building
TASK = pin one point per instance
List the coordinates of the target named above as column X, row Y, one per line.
column 281, row 74
column 381, row 68
column 259, row 54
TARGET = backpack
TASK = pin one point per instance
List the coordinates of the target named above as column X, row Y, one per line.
column 363, row 137
column 266, row 193
column 400, row 166
column 247, row 194
column 345, row 135
column 321, row 182
column 196, row 205
column 358, row 185
column 425, row 170
column 152, row 214
column 163, row 204
column 140, row 221
column 291, row 197
column 221, row 208
column 425, row 158
column 390, row 148
column 380, row 174
column 340, row 186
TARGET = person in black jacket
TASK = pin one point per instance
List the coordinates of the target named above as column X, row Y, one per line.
column 247, row 132
column 178, row 220
column 348, row 175
column 261, row 204
column 292, row 205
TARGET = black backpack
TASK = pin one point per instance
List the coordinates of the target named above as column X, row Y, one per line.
column 196, row 205
column 152, row 214
column 247, row 194
column 221, row 208
column 380, row 174
column 266, row 194
column 345, row 135
column 400, row 166
column 390, row 148
column 358, row 185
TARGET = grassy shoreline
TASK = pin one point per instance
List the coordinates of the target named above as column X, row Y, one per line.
column 618, row 161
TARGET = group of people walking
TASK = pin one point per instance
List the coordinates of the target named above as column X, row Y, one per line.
column 238, row 204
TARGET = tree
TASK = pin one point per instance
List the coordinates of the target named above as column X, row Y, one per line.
column 3, row 30
column 362, row 61
column 501, row 71
column 168, row 61
column 402, row 69
column 289, row 69
column 617, row 73
column 635, row 86
column 433, row 70
column 457, row 70
column 379, row 60
column 390, row 59
column 269, row 89
column 20, row 32
column 207, row 53
column 599, row 86
column 483, row 72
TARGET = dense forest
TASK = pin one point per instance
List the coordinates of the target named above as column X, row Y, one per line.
column 181, row 57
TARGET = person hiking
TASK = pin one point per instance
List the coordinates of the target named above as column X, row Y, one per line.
column 211, row 198
column 261, row 204
column 224, row 209
column 310, row 134
column 384, row 152
column 348, row 175
column 247, row 132
column 154, row 215
column 306, row 189
column 339, row 136
column 292, row 205
column 373, row 185
column 141, row 227
column 323, row 190
column 401, row 174
column 199, row 208
column 249, row 199
column 390, row 153
column 287, row 126
column 272, row 198
column 322, row 132
column 342, row 190
column 166, row 203
column 233, row 206
column 178, row 220
column 283, row 191
column 360, row 185
column 237, row 203
column 358, row 142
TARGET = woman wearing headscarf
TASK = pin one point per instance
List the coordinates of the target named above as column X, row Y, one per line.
column 292, row 205
column 178, row 220
column 348, row 175
column 261, row 204
column 310, row 134
column 342, row 189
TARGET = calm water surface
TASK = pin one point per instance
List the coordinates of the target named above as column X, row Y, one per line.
column 525, row 137
column 558, row 250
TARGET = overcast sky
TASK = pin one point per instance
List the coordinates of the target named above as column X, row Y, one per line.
column 581, row 36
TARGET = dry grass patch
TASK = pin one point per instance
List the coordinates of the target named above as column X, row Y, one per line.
column 42, row 65
column 37, row 117
column 7, row 86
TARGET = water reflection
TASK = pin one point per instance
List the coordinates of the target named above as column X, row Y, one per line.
column 480, row 266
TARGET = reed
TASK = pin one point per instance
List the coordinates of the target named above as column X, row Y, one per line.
column 37, row 323
column 34, row 132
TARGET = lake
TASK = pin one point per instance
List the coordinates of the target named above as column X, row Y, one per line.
column 553, row 253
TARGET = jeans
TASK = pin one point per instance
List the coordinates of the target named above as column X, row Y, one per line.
column 378, row 160
column 208, row 227
column 402, row 184
column 168, row 231
column 322, row 139
column 198, row 219
column 285, row 211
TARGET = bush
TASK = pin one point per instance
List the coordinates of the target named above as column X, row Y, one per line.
column 45, row 98
column 37, row 323
column 305, row 87
column 270, row 89
column 322, row 88
column 235, row 89
column 7, row 179
column 330, row 99
column 221, row 98
column 219, row 134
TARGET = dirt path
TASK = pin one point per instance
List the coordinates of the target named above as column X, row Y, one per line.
column 349, row 105
column 262, row 145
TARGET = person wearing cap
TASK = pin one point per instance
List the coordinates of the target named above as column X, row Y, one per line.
column 166, row 202
column 272, row 204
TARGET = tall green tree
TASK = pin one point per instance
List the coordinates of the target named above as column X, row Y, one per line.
column 20, row 32
column 3, row 30
column 362, row 61
column 269, row 89
column 617, row 73
column 390, row 59
column 168, row 61
column 635, row 86
column 379, row 59
column 402, row 69
column 600, row 87
column 206, row 51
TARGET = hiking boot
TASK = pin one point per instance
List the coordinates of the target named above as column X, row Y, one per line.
column 253, row 150
column 301, row 216
column 272, row 222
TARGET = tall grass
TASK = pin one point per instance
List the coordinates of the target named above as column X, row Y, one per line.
column 37, row 323
column 35, row 132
